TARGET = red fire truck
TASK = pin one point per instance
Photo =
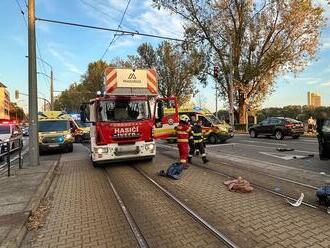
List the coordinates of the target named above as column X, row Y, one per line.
column 129, row 116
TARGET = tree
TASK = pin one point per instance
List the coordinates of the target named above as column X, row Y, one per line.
column 91, row 82
column 256, row 42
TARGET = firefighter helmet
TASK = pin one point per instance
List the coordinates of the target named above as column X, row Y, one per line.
column 184, row 118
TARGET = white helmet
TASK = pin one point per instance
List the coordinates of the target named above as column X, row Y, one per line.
column 184, row 118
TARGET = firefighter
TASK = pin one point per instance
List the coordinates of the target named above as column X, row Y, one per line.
column 198, row 140
column 182, row 133
column 191, row 139
column 320, row 136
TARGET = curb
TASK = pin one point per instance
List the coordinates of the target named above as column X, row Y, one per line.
column 17, row 233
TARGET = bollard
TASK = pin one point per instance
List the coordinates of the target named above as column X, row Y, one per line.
column 8, row 157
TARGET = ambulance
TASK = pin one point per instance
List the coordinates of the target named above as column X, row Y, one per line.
column 56, row 131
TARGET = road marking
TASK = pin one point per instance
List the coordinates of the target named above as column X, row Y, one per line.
column 268, row 147
column 250, row 161
column 285, row 157
column 227, row 144
column 268, row 143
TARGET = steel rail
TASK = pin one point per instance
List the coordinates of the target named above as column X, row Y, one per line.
column 258, row 186
column 134, row 227
column 222, row 237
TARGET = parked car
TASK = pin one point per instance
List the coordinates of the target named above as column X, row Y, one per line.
column 9, row 132
column 25, row 131
column 278, row 127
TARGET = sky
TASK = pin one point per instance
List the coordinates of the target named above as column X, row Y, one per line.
column 69, row 49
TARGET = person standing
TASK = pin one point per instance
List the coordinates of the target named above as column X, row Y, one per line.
column 320, row 136
column 191, row 139
column 182, row 133
column 197, row 133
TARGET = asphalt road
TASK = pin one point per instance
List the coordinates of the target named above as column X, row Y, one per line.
column 265, row 150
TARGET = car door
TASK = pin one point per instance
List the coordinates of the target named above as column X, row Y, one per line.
column 166, row 117
column 263, row 126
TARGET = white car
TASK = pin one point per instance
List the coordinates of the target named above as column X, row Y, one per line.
column 9, row 132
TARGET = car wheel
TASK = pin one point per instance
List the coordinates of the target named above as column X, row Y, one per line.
column 253, row 134
column 279, row 135
column 212, row 139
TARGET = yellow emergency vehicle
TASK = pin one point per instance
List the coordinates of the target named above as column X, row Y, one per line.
column 56, row 130
column 214, row 130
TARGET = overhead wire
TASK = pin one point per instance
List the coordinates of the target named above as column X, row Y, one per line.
column 40, row 63
column 108, row 29
column 119, row 27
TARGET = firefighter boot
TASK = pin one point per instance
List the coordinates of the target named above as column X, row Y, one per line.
column 189, row 160
column 205, row 160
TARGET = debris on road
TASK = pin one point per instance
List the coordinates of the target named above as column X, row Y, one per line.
column 304, row 157
column 173, row 171
column 298, row 202
column 284, row 149
column 238, row 185
column 35, row 220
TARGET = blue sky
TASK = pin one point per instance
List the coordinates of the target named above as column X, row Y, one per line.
column 70, row 49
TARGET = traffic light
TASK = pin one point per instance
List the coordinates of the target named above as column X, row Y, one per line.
column 216, row 71
column 16, row 94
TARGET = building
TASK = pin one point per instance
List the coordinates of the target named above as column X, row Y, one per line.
column 313, row 99
column 4, row 102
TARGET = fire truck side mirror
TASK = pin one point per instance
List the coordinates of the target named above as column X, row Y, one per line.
column 160, row 111
column 83, row 113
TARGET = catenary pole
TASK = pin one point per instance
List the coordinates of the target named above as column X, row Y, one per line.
column 33, row 95
column 51, row 90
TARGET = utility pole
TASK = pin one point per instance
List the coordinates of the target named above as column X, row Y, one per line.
column 33, row 95
column 231, row 87
column 51, row 90
column 216, row 99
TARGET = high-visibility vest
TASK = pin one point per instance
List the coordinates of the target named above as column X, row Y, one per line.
column 182, row 133
column 197, row 133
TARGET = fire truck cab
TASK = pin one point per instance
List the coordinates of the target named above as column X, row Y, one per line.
column 128, row 117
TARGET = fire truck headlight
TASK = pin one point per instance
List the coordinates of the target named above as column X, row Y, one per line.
column 102, row 150
column 149, row 147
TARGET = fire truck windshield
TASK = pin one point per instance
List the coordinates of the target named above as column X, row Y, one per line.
column 123, row 110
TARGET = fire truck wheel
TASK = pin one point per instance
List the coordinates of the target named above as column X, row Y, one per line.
column 96, row 165
column 212, row 138
column 149, row 159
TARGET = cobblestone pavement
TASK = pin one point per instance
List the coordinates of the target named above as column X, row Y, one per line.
column 257, row 219
column 162, row 222
column 84, row 211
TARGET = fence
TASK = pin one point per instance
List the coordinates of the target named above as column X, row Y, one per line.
column 8, row 154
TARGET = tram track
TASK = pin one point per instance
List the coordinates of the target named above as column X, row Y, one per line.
column 129, row 205
column 233, row 171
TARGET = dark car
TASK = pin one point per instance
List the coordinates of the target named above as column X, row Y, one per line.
column 324, row 150
column 278, row 127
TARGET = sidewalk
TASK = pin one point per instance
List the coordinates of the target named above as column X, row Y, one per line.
column 20, row 195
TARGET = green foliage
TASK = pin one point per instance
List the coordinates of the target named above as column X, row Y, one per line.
column 254, row 40
column 298, row 112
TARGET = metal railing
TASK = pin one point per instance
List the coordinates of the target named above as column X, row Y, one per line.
column 8, row 154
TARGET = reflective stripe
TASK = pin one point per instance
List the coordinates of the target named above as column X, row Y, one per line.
column 198, row 141
column 197, row 134
column 203, row 155
column 181, row 132
column 182, row 140
column 183, row 160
